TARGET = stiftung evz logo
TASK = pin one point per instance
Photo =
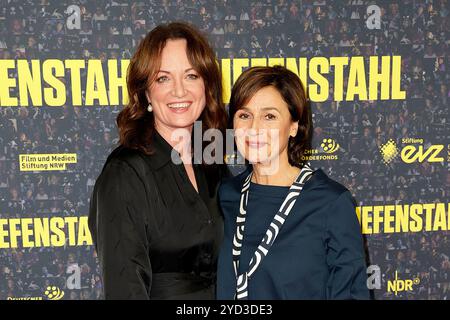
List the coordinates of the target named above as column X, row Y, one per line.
column 413, row 153
column 413, row 150
column 389, row 151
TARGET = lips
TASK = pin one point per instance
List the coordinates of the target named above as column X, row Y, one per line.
column 256, row 144
column 179, row 107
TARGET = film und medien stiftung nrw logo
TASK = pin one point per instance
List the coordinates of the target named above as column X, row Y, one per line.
column 54, row 293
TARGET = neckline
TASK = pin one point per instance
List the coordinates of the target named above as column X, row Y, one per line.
column 273, row 191
column 268, row 191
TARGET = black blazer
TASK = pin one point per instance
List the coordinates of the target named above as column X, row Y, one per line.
column 156, row 237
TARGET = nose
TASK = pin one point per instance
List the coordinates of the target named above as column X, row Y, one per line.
column 254, row 127
column 178, row 89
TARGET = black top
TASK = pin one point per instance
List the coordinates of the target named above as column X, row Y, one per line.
column 318, row 253
column 156, row 237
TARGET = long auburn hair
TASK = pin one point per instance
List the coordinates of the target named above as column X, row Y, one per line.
column 136, row 125
column 288, row 84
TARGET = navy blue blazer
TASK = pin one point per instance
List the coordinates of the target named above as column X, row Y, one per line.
column 318, row 254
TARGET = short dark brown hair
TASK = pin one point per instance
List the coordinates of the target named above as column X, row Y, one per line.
column 288, row 84
column 136, row 125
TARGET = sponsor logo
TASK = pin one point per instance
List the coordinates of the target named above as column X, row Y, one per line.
column 50, row 293
column 399, row 285
column 389, row 151
column 54, row 293
column 412, row 151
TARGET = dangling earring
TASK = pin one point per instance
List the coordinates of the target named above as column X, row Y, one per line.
column 150, row 108
column 294, row 135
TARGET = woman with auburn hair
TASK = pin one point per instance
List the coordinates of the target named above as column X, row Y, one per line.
column 154, row 217
column 290, row 231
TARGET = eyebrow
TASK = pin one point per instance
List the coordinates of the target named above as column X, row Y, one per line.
column 187, row 70
column 263, row 109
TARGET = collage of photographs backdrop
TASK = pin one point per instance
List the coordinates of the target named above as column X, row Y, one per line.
column 366, row 137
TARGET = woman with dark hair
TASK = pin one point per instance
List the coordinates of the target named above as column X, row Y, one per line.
column 154, row 217
column 290, row 231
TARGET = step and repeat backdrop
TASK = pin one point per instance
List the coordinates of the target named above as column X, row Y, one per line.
column 376, row 74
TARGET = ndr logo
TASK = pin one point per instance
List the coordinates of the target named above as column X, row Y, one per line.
column 401, row 285
column 396, row 285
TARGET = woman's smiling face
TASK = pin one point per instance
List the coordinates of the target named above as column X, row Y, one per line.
column 263, row 127
column 178, row 93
